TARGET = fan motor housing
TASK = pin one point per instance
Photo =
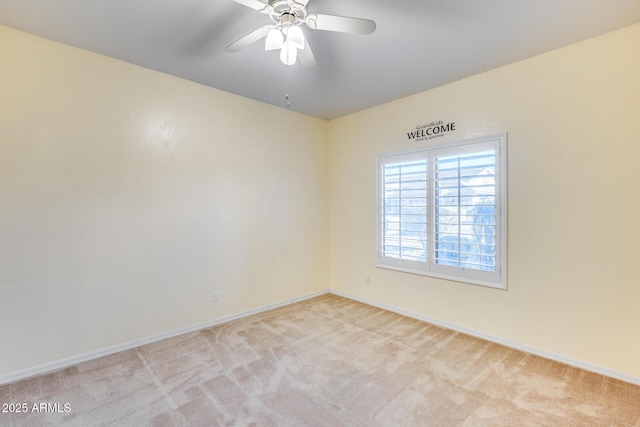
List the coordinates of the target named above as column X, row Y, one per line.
column 287, row 7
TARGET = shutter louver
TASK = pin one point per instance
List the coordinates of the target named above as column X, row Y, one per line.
column 465, row 210
column 404, row 210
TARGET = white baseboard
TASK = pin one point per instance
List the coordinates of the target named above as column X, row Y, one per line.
column 518, row 346
column 65, row 363
column 70, row 361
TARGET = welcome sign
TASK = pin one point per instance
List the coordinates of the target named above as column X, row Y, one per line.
column 431, row 130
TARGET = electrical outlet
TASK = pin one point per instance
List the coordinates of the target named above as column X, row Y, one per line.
column 215, row 296
column 367, row 280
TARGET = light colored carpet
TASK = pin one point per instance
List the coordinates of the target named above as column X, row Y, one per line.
column 327, row 361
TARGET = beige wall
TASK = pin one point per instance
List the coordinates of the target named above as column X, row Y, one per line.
column 573, row 123
column 127, row 196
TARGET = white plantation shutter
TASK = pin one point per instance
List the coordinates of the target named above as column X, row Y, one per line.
column 403, row 210
column 442, row 211
column 465, row 211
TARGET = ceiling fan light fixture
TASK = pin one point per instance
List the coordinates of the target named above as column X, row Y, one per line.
column 275, row 40
column 296, row 37
column 289, row 53
column 287, row 35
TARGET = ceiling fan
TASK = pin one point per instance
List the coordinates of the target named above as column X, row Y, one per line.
column 285, row 32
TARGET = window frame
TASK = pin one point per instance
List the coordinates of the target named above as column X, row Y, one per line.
column 496, row 279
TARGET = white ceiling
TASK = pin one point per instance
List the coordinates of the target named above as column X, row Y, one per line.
column 418, row 44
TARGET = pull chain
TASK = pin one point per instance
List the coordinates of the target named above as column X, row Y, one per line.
column 286, row 90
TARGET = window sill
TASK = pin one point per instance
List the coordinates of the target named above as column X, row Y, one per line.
column 466, row 280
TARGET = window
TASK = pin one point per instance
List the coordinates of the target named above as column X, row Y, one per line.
column 442, row 211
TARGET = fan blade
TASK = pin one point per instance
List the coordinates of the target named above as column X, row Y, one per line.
column 253, row 4
column 249, row 39
column 306, row 56
column 343, row 24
